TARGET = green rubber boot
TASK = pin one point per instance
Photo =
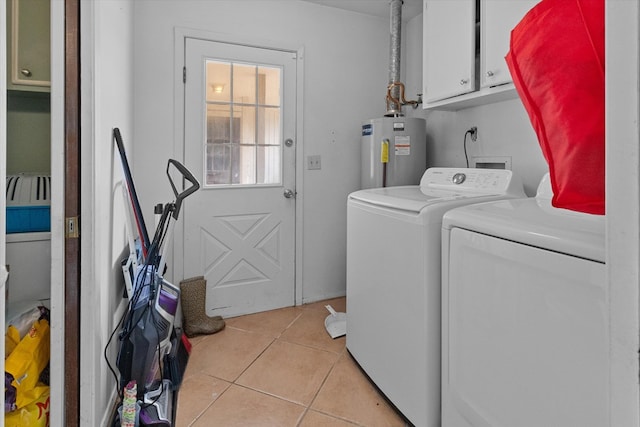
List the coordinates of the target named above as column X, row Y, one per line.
column 195, row 321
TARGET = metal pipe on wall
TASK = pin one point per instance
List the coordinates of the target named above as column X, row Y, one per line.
column 395, row 45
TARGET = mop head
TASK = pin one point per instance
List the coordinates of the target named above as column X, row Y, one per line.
column 193, row 293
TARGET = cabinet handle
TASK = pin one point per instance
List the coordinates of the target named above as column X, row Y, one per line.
column 26, row 72
column 464, row 82
column 489, row 73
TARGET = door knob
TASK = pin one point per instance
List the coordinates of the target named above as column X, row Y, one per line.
column 289, row 194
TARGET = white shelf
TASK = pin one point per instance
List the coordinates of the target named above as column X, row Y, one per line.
column 474, row 99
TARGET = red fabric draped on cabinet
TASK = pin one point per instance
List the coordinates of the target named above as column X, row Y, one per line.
column 556, row 60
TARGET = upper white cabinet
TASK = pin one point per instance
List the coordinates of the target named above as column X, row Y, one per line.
column 498, row 17
column 449, row 48
column 28, row 38
column 465, row 42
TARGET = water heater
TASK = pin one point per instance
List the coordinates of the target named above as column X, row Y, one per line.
column 394, row 152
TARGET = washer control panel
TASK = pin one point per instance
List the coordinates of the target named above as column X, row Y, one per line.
column 495, row 181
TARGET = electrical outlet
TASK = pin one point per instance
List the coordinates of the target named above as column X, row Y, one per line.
column 474, row 133
column 313, row 162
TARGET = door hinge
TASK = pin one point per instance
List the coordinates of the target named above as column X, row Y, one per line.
column 72, row 228
column 184, row 74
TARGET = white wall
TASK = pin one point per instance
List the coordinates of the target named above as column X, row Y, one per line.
column 346, row 72
column 107, row 102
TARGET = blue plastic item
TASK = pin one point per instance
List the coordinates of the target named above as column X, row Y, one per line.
column 28, row 219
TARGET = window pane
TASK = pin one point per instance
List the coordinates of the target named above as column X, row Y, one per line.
column 269, row 125
column 245, row 169
column 218, row 124
column 269, row 86
column 269, row 162
column 218, row 164
column 243, row 130
column 247, row 117
column 218, row 81
column 244, row 84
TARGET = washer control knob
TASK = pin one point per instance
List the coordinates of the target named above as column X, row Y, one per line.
column 459, row 178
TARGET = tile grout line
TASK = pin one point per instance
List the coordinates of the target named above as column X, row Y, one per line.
column 236, row 378
column 279, row 337
column 197, row 417
column 341, row 355
column 315, row 395
column 284, row 398
column 246, row 387
column 253, row 361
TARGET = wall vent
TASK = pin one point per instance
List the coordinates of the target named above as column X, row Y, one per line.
column 492, row 162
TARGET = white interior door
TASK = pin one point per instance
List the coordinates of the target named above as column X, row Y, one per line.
column 239, row 141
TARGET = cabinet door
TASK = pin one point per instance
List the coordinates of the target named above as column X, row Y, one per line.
column 498, row 17
column 29, row 64
column 449, row 48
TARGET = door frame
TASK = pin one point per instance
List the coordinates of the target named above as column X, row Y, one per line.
column 65, row 269
column 3, row 171
column 72, row 185
column 180, row 35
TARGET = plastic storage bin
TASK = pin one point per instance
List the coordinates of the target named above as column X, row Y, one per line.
column 28, row 203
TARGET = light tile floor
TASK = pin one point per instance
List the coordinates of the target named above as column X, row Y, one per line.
column 279, row 368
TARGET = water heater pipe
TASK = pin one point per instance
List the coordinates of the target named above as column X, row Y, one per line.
column 395, row 45
column 400, row 100
column 395, row 89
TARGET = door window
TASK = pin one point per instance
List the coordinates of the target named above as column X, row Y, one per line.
column 243, row 124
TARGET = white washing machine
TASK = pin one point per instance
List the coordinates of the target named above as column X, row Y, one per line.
column 393, row 280
column 524, row 315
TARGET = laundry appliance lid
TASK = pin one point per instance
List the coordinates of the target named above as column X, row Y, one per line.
column 411, row 198
column 439, row 185
column 535, row 222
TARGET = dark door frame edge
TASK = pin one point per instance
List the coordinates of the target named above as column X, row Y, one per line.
column 72, row 212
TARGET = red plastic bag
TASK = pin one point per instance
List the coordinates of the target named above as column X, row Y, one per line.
column 556, row 60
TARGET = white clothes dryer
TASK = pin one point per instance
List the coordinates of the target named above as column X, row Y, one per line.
column 524, row 316
column 393, row 280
